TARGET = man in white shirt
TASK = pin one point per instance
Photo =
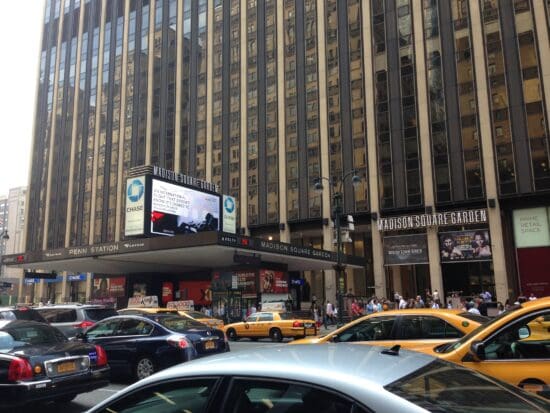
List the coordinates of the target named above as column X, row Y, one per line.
column 329, row 313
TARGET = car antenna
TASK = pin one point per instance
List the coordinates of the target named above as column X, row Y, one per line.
column 394, row 351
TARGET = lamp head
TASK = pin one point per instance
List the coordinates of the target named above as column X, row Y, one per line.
column 355, row 181
column 5, row 235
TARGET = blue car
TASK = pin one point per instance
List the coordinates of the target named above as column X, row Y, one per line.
column 139, row 345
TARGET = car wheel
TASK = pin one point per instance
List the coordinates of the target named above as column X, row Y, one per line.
column 232, row 335
column 276, row 335
column 144, row 367
column 66, row 398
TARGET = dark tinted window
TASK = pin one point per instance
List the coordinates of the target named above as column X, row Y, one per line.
column 103, row 329
column 96, row 314
column 376, row 328
column 181, row 396
column 133, row 327
column 59, row 315
column 425, row 327
column 250, row 395
column 35, row 334
column 21, row 314
column 443, row 387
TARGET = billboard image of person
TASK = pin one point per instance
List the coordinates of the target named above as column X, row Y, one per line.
column 449, row 249
column 480, row 245
column 472, row 245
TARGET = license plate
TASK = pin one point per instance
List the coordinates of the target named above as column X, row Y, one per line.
column 308, row 325
column 66, row 367
column 209, row 345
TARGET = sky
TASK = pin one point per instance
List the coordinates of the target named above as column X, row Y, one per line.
column 20, row 34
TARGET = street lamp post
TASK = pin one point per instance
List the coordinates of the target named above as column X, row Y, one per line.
column 337, row 209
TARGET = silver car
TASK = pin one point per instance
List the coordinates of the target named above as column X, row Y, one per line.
column 320, row 379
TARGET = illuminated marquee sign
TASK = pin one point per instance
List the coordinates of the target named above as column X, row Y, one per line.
column 437, row 219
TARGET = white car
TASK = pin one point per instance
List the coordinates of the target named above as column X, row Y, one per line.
column 342, row 378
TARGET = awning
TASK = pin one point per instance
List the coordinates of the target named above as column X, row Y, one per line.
column 181, row 253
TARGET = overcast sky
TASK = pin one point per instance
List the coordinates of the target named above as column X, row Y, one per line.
column 20, row 32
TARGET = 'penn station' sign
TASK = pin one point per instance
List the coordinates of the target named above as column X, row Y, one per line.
column 436, row 219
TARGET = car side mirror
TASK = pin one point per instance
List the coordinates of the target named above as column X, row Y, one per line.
column 523, row 333
column 477, row 351
column 334, row 338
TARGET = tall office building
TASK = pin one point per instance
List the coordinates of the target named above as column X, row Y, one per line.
column 440, row 107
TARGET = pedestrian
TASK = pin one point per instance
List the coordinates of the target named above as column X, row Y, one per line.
column 329, row 313
column 532, row 297
column 355, row 309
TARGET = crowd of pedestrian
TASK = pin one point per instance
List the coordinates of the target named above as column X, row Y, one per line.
column 355, row 307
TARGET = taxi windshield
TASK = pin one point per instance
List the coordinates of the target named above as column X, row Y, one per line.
column 447, row 348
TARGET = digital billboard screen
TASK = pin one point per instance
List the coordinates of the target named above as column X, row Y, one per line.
column 178, row 209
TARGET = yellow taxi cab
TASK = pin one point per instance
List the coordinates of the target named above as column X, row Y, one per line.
column 203, row 318
column 513, row 347
column 410, row 327
column 271, row 324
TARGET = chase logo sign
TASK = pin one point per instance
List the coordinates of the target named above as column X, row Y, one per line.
column 229, row 205
column 229, row 223
column 134, row 220
column 136, row 189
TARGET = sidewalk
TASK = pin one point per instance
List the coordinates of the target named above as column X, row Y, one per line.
column 325, row 330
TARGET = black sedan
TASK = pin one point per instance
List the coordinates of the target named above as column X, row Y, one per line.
column 139, row 345
column 38, row 364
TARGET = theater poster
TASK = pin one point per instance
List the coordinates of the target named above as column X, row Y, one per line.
column 273, row 282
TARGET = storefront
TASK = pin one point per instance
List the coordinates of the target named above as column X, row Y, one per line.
column 460, row 251
column 532, row 250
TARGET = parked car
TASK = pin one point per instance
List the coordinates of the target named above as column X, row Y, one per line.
column 38, row 363
column 20, row 313
column 341, row 378
column 140, row 345
column 271, row 324
column 72, row 319
column 195, row 315
column 514, row 347
column 405, row 327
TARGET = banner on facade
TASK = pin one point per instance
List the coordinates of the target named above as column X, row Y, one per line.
column 246, row 282
column 460, row 246
column 229, row 217
column 531, row 228
column 105, row 287
column 134, row 217
column 273, row 282
column 435, row 219
column 180, row 210
column 198, row 291
column 405, row 249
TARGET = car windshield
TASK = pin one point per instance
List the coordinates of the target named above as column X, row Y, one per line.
column 444, row 387
column 447, row 348
column 22, row 314
column 179, row 324
column 35, row 334
column 96, row 314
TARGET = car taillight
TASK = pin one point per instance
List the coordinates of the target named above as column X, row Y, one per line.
column 19, row 369
column 101, row 356
column 297, row 324
column 179, row 342
column 84, row 325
